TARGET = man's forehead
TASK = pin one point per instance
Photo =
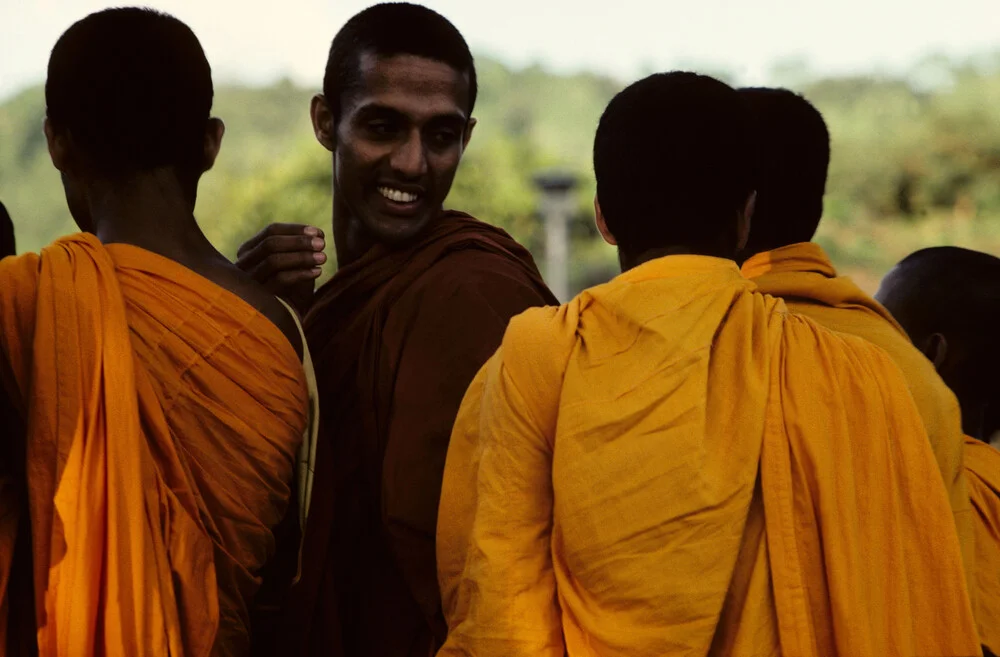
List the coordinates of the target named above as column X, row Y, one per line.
column 411, row 79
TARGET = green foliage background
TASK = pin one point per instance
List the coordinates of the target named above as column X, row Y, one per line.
column 916, row 161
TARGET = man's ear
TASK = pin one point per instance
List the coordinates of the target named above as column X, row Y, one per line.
column 468, row 133
column 602, row 224
column 323, row 123
column 935, row 347
column 59, row 147
column 744, row 220
column 214, row 131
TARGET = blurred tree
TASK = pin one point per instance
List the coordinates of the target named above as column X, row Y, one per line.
column 915, row 160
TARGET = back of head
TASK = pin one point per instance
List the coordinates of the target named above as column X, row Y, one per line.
column 393, row 28
column 948, row 301
column 944, row 289
column 133, row 89
column 673, row 166
column 792, row 147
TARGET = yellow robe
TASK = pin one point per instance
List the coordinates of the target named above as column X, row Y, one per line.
column 803, row 276
column 982, row 465
column 672, row 464
column 163, row 416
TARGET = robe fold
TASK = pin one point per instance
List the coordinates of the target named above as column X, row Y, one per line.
column 396, row 338
column 804, row 277
column 162, row 419
column 673, row 464
column 982, row 466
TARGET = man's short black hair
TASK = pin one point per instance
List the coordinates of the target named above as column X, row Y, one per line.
column 393, row 28
column 133, row 88
column 792, row 148
column 672, row 162
column 945, row 289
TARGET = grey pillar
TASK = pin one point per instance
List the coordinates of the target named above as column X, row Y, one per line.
column 557, row 205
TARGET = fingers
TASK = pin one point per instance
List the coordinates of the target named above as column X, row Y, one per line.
column 281, row 252
column 279, row 230
column 287, row 279
column 277, row 263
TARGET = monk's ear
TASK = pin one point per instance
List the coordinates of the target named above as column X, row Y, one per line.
column 59, row 146
column 744, row 220
column 602, row 224
column 469, row 127
column 214, row 131
column 323, row 123
column 935, row 347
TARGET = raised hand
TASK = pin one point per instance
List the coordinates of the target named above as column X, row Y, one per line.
column 286, row 259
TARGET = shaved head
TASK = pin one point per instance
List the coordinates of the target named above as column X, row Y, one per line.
column 792, row 150
column 948, row 301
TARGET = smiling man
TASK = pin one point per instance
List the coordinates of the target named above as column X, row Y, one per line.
column 420, row 301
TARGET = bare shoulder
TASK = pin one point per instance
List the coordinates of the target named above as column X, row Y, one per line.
column 242, row 285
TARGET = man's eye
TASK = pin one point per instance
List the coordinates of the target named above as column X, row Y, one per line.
column 381, row 127
column 446, row 137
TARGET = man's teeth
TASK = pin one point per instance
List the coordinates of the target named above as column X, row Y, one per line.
column 397, row 195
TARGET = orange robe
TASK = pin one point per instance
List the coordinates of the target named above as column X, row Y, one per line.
column 673, row 464
column 804, row 277
column 162, row 415
column 982, row 466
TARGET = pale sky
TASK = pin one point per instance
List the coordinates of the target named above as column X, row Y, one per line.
column 256, row 42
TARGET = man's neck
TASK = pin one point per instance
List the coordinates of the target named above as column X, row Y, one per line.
column 352, row 241
column 628, row 262
column 151, row 211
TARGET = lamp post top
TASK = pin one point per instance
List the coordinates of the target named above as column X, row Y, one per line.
column 555, row 180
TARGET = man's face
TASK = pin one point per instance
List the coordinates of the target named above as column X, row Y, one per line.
column 398, row 143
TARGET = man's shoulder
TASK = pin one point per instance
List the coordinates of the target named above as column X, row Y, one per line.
column 471, row 271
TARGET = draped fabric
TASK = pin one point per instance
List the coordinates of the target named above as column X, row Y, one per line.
column 674, row 464
column 162, row 419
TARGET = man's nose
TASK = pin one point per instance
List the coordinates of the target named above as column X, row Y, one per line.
column 410, row 158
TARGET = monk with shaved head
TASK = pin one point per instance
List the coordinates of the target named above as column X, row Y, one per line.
column 159, row 395
column 948, row 300
column 792, row 147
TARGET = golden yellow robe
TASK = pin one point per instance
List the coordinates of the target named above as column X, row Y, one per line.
column 982, row 465
column 803, row 276
column 672, row 464
column 163, row 416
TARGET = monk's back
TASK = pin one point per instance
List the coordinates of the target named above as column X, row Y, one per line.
column 937, row 404
column 714, row 460
column 231, row 388
column 194, row 404
column 803, row 276
column 662, row 483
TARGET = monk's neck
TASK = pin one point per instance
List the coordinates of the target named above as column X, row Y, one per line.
column 350, row 239
column 628, row 261
column 150, row 211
